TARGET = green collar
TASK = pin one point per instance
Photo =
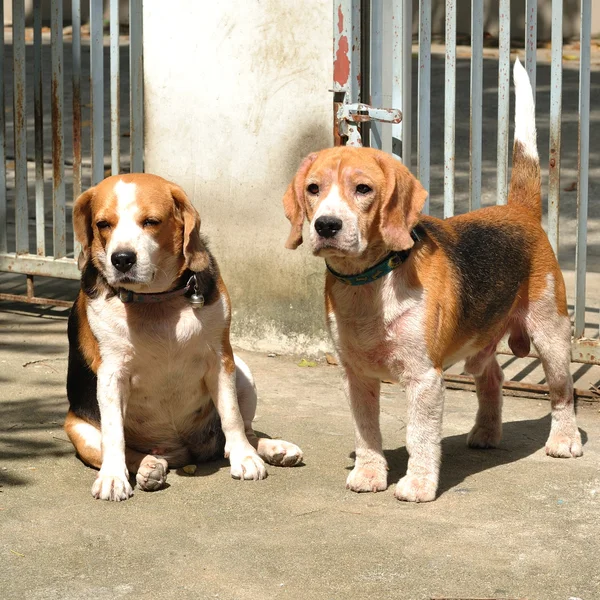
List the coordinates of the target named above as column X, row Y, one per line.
column 389, row 263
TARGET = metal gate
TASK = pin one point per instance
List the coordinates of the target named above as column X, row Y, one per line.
column 41, row 174
column 373, row 47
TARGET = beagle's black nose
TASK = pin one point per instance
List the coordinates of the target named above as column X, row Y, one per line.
column 327, row 227
column 123, row 260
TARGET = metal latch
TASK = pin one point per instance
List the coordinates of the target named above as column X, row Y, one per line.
column 349, row 115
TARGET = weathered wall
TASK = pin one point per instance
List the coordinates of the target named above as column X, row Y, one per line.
column 236, row 94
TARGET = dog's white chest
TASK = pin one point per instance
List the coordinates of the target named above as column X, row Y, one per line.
column 381, row 333
column 163, row 352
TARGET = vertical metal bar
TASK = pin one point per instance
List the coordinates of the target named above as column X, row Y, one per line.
column 476, row 104
column 3, row 215
column 583, row 159
column 424, row 83
column 531, row 40
column 20, row 128
column 30, row 285
column 76, row 80
column 406, row 107
column 365, row 62
column 136, row 77
column 397, row 71
column 97, row 87
column 115, row 117
column 376, row 67
column 58, row 154
column 555, row 125
column 450, row 108
column 355, row 66
column 40, row 218
column 503, row 101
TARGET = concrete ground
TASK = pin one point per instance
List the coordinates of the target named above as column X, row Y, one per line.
column 508, row 523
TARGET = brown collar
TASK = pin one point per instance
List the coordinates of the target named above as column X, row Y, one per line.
column 196, row 299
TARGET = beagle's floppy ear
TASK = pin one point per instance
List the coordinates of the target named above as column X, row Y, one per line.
column 293, row 202
column 82, row 225
column 403, row 200
column 194, row 251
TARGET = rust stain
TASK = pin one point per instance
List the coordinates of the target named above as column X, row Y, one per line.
column 341, row 67
column 340, row 19
column 57, row 142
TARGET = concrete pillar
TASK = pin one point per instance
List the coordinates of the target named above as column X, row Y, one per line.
column 236, row 94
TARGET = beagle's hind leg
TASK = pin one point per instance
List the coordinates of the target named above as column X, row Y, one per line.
column 275, row 452
column 151, row 471
column 550, row 334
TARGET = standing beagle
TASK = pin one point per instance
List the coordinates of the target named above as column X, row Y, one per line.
column 407, row 295
column 152, row 380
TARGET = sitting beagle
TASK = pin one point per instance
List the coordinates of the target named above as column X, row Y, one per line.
column 407, row 295
column 152, row 381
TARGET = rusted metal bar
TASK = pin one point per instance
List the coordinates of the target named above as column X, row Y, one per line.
column 355, row 64
column 555, row 124
column 583, row 170
column 20, row 128
column 365, row 62
column 35, row 300
column 503, row 101
column 3, row 213
column 97, row 89
column 32, row 264
column 476, row 131
column 136, row 79
column 342, row 16
column 115, row 109
column 40, row 217
column 424, row 100
column 450, row 109
column 30, row 287
column 58, row 153
column 515, row 388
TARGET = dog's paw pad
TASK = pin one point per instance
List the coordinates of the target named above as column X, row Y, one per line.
column 415, row 489
column 152, row 474
column 484, row 437
column 111, row 487
column 367, row 479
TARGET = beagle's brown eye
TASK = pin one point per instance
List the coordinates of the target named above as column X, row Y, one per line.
column 150, row 222
column 363, row 189
column 313, row 189
column 102, row 224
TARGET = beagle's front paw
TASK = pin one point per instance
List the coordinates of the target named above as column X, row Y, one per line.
column 279, row 452
column 416, row 489
column 247, row 464
column 111, row 487
column 152, row 474
column 371, row 478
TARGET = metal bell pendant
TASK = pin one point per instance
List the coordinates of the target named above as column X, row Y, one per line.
column 197, row 300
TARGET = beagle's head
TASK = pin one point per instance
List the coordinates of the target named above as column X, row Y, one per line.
column 353, row 198
column 140, row 231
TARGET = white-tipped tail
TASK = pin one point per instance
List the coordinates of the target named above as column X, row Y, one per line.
column 524, row 111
